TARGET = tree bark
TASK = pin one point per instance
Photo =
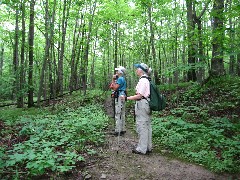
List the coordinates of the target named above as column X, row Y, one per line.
column 22, row 69
column 46, row 56
column 73, row 57
column 16, row 84
column 238, row 64
column 198, row 21
column 238, row 55
column 52, row 89
column 31, row 43
column 1, row 60
column 156, row 76
column 92, row 75
column 191, row 42
column 86, row 51
column 232, row 38
column 217, row 66
column 66, row 8
column 116, row 46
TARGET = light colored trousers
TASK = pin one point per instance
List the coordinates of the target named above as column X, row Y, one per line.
column 119, row 114
column 143, row 125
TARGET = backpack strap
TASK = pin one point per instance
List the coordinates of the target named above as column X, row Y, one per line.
column 146, row 77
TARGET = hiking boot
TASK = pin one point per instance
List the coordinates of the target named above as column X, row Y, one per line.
column 134, row 151
column 117, row 133
column 149, row 152
column 122, row 132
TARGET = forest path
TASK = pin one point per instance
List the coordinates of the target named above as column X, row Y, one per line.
column 117, row 162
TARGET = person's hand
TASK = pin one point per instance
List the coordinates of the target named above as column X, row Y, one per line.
column 114, row 76
column 122, row 97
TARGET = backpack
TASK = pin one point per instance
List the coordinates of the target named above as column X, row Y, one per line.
column 157, row 100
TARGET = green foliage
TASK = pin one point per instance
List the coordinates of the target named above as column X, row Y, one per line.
column 204, row 126
column 206, row 144
column 9, row 115
column 6, row 87
column 172, row 87
column 54, row 141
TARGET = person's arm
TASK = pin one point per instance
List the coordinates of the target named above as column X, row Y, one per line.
column 135, row 97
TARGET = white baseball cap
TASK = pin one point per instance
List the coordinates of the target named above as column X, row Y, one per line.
column 121, row 69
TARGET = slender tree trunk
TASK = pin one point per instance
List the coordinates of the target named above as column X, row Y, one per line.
column 175, row 48
column 92, row 75
column 201, row 53
column 81, row 55
column 52, row 55
column 86, row 51
column 22, row 69
column 66, row 8
column 238, row 64
column 183, row 44
column 157, row 80
column 52, row 70
column 16, row 59
column 217, row 66
column 31, row 43
column 73, row 57
column 81, row 32
column 232, row 38
column 191, row 42
column 176, row 72
column 238, row 55
column 1, row 60
column 116, row 46
column 201, row 59
column 46, row 56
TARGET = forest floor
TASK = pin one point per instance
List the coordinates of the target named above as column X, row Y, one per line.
column 117, row 162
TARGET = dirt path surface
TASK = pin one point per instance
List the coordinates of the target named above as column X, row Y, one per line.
column 117, row 162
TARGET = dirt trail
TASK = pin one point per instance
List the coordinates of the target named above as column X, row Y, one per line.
column 116, row 162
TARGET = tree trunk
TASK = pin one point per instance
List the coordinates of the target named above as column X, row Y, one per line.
column 51, row 60
column 1, row 60
column 175, row 49
column 46, row 56
column 232, row 38
column 31, row 43
column 66, row 8
column 81, row 54
column 52, row 68
column 116, row 46
column 200, row 49
column 238, row 55
column 22, row 69
column 73, row 57
column 238, row 64
column 217, row 66
column 191, row 42
column 156, row 76
column 201, row 59
column 86, row 51
column 16, row 60
column 92, row 75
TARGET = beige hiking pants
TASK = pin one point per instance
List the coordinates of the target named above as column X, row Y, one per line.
column 119, row 114
column 143, row 125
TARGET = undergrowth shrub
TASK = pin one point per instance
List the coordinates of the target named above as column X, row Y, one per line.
column 207, row 144
column 55, row 142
